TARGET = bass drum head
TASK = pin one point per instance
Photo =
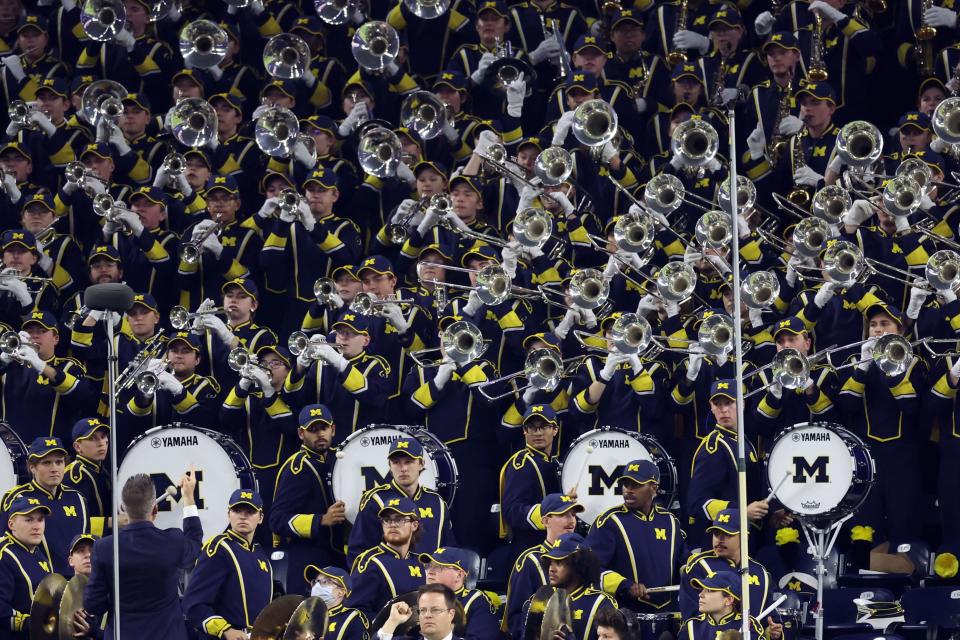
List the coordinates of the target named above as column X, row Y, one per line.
column 166, row 453
column 815, row 469
column 597, row 458
column 362, row 464
column 13, row 456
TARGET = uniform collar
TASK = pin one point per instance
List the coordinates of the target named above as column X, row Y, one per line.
column 239, row 539
column 322, row 457
column 87, row 462
column 536, row 453
column 392, row 551
column 16, row 541
column 416, row 494
column 579, row 592
column 646, row 517
column 733, row 615
column 56, row 492
column 243, row 325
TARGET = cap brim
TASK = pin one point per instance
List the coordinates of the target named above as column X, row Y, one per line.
column 697, row 581
column 426, row 557
column 46, row 453
column 552, row 421
column 184, row 341
column 83, row 538
column 27, row 323
column 636, row 481
column 341, row 323
column 576, row 506
column 403, row 452
column 231, row 283
column 397, row 511
column 19, row 242
column 246, row 502
column 39, row 507
column 92, row 431
column 314, row 421
column 731, row 531
column 723, row 394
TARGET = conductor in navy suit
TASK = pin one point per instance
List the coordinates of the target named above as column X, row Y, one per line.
column 438, row 607
column 150, row 563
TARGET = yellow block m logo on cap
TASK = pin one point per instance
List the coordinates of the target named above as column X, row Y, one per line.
column 723, row 385
column 723, row 517
column 633, row 467
column 33, row 501
column 579, row 77
column 566, row 499
column 18, row 236
column 316, row 412
column 349, row 317
column 403, row 444
column 395, row 502
column 246, row 495
column 784, row 323
column 913, row 116
column 50, row 443
column 538, row 408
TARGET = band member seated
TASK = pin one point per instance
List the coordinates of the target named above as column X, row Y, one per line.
column 448, row 566
column 23, row 564
column 87, row 474
column 85, row 626
column 719, row 606
column 438, row 609
column 332, row 585
column 233, row 579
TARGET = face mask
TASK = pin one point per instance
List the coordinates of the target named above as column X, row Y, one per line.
column 325, row 593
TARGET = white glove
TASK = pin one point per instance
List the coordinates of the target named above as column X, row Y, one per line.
column 430, row 219
column 790, row 125
column 180, row 182
column 332, row 357
column 259, row 111
column 918, row 295
column 256, row 7
column 161, row 179
column 757, row 143
column 718, row 263
column 509, row 255
column 562, row 128
column 44, row 261
column 756, row 318
column 647, row 304
column 485, row 140
column 570, row 318
column 309, row 78
column 671, row 308
column 641, row 104
column 955, row 369
column 608, row 152
column 807, row 177
column 561, row 199
column 14, row 66
column 587, row 317
column 301, row 155
column 444, row 371
column 11, row 188
column 269, row 206
column 305, row 215
column 481, row 71
column 729, row 95
column 612, row 361
column 262, row 378
column 473, row 305
column 926, row 203
column 866, row 357
column 947, row 296
column 529, row 395
column 201, row 228
column 763, row 25
column 527, row 195
column 303, row 362
column 348, row 124
column 110, row 228
column 938, row 144
column 694, row 362
column 450, row 132
column 18, row 289
column 858, row 213
column 12, row 130
column 612, row 268
column 743, row 227
column 43, row 122
column 792, row 274
column 686, row 39
column 218, row 327
column 132, row 221
column 405, row 173
column 455, row 221
column 126, row 39
column 31, row 358
column 168, row 382
column 901, row 224
column 516, row 92
column 776, row 390
column 395, row 317
column 118, row 141
column 824, row 294
column 403, row 210
column 548, row 49
column 829, row 13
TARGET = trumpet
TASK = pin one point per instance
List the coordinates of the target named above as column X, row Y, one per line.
column 148, row 382
column 19, row 113
column 77, row 173
column 336, row 12
column 565, row 68
column 10, row 344
column 300, row 343
column 203, row 44
column 106, row 207
column 191, row 251
column 288, row 202
column 102, row 20
column 100, row 99
column 242, row 361
column 461, row 342
column 424, row 113
column 789, row 368
column 543, row 369
column 398, row 231
column 193, row 122
column 696, row 142
column 368, row 304
column 150, row 351
column 375, row 45
column 180, row 317
column 760, row 289
column 14, row 273
column 506, row 68
column 174, row 164
column 286, row 56
column 324, row 289
column 379, row 152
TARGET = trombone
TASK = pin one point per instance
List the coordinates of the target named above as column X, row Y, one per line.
column 810, row 237
column 191, row 251
column 760, row 289
column 336, row 12
column 203, row 44
column 102, row 20
column 286, row 56
column 461, row 343
column 789, row 368
column 892, row 353
column 180, row 317
column 543, row 369
column 696, row 141
column 594, row 125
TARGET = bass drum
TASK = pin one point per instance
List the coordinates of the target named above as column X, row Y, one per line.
column 362, row 463
column 13, row 459
column 166, row 453
column 596, row 459
column 820, row 471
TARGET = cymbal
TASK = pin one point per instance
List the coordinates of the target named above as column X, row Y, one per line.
column 272, row 621
column 308, row 622
column 557, row 614
column 45, row 610
column 533, row 621
column 71, row 602
column 411, row 598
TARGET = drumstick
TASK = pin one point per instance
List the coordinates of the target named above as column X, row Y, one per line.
column 166, row 495
column 786, row 474
column 583, row 467
column 669, row 587
column 769, row 610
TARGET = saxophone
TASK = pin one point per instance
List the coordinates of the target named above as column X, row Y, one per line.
column 799, row 196
column 778, row 142
column 923, row 49
column 817, row 70
column 718, row 83
column 677, row 56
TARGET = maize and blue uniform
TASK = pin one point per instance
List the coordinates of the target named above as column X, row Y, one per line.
column 705, row 565
column 21, row 571
column 380, row 574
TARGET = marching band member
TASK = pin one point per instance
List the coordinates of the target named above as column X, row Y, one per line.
column 306, row 517
column 233, row 579
column 332, row 585
column 26, row 287
column 389, row 568
column 559, row 515
column 58, row 255
column 88, row 474
column 321, row 316
column 448, row 566
column 23, row 564
column 406, row 460
column 68, row 510
column 81, row 551
column 639, row 544
column 439, row 604
column 719, row 610
column 150, row 600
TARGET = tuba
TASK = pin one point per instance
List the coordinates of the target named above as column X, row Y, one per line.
column 859, row 144
column 379, row 151
column 276, row 131
column 427, row 9
column 286, row 56
column 424, row 113
column 696, row 141
column 375, row 45
column 203, row 44
column 102, row 20
column 760, row 289
column 336, row 12
column 193, row 122
column 99, row 99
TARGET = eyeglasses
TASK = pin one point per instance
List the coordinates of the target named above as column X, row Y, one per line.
column 395, row 521
column 273, row 364
column 433, row 611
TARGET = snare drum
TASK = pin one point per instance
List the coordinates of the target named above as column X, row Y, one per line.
column 652, row 626
column 13, row 459
column 362, row 464
column 828, row 470
column 166, row 453
column 595, row 461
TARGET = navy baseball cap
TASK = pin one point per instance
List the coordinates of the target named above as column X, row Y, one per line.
column 23, row 506
column 782, row 39
column 196, row 76
column 282, row 352
column 311, row 24
column 726, row 15
column 326, row 178
column 13, row 145
column 544, row 411
column 565, row 546
column 311, row 572
column 287, row 87
column 406, row 446
column 320, row 123
column 793, row 325
column 583, row 80
column 151, row 194
column 378, row 264
column 439, row 167
column 447, row 557
column 44, row 446
column 43, row 198
column 32, row 21
column 888, row 309
column 640, row 471
column 556, row 504
column 146, row 300
column 685, row 70
column 247, row 285
column 453, row 79
column 192, row 340
column 199, row 153
column 818, row 90
column 548, row 338
column 727, row 521
column 356, row 322
column 81, row 538
column 726, row 388
column 45, row 319
column 314, row 413
column 916, row 119
column 246, row 496
column 626, row 15
column 402, row 505
column 231, row 100
column 79, row 83
column 226, row 183
column 86, row 427
column 726, row 581
column 21, row 237
column 482, row 252
column 139, row 99
column 99, row 149
column 586, row 41
column 470, row 181
column 56, row 86
column 497, row 6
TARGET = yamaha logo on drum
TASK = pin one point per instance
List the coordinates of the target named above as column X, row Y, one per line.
column 377, row 441
column 174, row 441
column 811, row 437
column 619, row 443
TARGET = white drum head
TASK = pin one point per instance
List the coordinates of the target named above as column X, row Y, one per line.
column 818, row 466
column 362, row 465
column 595, row 473
column 8, row 472
column 166, row 454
